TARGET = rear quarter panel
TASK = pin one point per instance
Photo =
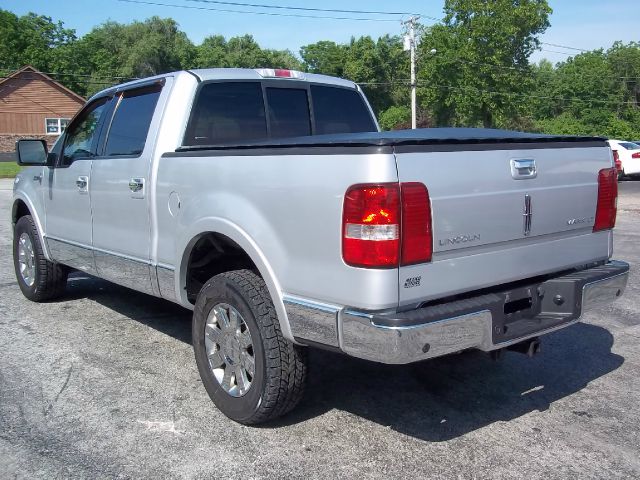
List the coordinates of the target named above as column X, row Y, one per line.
column 286, row 208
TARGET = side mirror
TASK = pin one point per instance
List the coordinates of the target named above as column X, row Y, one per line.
column 32, row 152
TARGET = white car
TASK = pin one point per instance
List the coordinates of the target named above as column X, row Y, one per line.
column 629, row 155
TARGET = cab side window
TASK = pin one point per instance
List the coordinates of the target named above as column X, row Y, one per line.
column 228, row 112
column 131, row 121
column 81, row 135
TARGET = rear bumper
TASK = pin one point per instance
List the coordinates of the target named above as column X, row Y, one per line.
column 487, row 322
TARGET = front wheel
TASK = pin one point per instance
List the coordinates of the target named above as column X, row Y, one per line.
column 250, row 371
column 38, row 278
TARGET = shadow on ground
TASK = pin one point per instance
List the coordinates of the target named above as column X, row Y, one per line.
column 435, row 400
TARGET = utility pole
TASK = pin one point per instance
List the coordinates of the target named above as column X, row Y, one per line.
column 410, row 44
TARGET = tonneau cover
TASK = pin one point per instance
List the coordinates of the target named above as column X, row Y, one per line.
column 423, row 136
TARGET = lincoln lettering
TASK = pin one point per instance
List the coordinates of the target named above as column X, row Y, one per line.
column 460, row 239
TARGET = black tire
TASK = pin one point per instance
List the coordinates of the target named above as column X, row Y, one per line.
column 280, row 366
column 50, row 278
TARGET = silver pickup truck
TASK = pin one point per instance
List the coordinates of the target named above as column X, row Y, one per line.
column 268, row 203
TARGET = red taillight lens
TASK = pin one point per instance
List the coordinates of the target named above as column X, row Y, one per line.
column 282, row 73
column 607, row 199
column 371, row 226
column 616, row 160
column 635, row 155
column 387, row 225
column 417, row 243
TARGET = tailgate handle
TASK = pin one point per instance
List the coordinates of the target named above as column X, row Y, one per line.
column 522, row 168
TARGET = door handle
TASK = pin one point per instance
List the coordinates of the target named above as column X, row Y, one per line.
column 82, row 183
column 136, row 184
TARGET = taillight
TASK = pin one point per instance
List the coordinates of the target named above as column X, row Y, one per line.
column 635, row 155
column 417, row 244
column 607, row 199
column 371, row 226
column 386, row 225
column 616, row 160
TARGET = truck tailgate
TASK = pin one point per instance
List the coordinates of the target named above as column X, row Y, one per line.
column 504, row 213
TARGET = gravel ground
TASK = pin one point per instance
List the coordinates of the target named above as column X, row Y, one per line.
column 104, row 385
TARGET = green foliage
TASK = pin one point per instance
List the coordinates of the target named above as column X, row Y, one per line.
column 324, row 57
column 9, row 169
column 381, row 67
column 394, row 117
column 593, row 93
column 480, row 74
column 139, row 49
column 31, row 39
column 481, row 66
column 241, row 52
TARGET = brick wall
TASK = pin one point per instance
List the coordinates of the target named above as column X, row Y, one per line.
column 8, row 142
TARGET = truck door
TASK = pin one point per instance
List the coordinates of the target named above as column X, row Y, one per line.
column 68, row 183
column 120, row 190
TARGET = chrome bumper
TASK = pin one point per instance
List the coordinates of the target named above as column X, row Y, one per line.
column 484, row 325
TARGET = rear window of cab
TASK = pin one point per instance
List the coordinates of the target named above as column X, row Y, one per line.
column 227, row 113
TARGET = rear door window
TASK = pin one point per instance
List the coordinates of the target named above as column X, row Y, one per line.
column 288, row 112
column 340, row 110
column 131, row 121
column 229, row 112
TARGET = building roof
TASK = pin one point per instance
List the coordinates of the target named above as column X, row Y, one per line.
column 29, row 68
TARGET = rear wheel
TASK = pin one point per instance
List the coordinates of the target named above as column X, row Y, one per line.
column 38, row 278
column 250, row 371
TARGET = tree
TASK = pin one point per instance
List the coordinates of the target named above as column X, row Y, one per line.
column 212, row 52
column 138, row 49
column 327, row 58
column 379, row 66
column 592, row 93
column 394, row 117
column 481, row 69
column 31, row 39
column 242, row 52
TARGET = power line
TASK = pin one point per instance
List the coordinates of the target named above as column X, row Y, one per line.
column 555, row 51
column 528, row 70
column 253, row 12
column 25, row 79
column 309, row 9
column 495, row 93
column 67, row 74
column 564, row 46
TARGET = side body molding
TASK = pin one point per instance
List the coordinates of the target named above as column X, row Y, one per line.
column 187, row 240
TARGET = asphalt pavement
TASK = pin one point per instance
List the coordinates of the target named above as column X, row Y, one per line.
column 103, row 384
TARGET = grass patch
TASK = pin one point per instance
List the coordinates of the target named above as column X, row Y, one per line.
column 9, row 169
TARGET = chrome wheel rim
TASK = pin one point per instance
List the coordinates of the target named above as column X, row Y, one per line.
column 26, row 259
column 229, row 349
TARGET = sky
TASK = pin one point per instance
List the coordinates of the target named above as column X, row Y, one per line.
column 583, row 24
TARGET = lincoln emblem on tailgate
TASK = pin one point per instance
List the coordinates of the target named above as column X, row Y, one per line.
column 527, row 215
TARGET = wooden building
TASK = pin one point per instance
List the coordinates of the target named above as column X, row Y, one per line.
column 33, row 105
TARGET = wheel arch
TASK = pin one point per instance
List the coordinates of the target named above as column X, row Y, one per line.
column 231, row 233
column 22, row 206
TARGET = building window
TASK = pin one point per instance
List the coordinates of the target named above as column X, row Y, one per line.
column 55, row 126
